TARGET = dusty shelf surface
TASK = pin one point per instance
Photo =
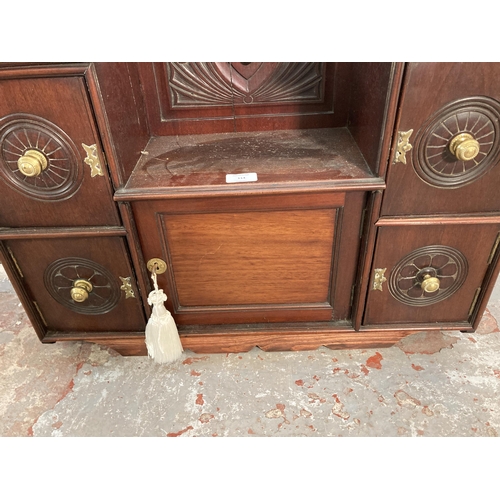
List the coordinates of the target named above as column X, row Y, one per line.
column 281, row 157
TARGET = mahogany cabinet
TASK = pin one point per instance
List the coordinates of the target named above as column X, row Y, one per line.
column 290, row 205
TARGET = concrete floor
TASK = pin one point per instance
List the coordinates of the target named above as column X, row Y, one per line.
column 430, row 384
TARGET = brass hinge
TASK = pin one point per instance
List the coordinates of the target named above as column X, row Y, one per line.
column 14, row 260
column 494, row 249
column 40, row 313
column 476, row 296
column 379, row 279
column 363, row 215
column 403, row 146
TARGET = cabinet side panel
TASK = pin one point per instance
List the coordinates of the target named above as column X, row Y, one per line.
column 370, row 97
column 124, row 114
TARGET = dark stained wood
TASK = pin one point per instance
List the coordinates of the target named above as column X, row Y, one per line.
column 369, row 233
column 120, row 114
column 11, row 268
column 237, row 340
column 35, row 256
column 64, row 103
column 284, row 263
column 429, row 87
column 475, row 242
column 307, row 159
column 61, row 232
column 242, row 259
column 200, row 98
column 374, row 94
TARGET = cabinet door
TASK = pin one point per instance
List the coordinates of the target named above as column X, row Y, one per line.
column 450, row 118
column 51, row 166
column 79, row 284
column 255, row 259
column 428, row 274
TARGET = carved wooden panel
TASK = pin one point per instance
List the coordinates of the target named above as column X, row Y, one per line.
column 439, row 262
column 205, row 97
column 440, row 102
column 60, row 276
column 452, row 258
column 63, row 174
column 229, row 84
column 50, row 268
column 50, row 119
column 432, row 158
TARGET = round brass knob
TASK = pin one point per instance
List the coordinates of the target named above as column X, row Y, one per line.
column 464, row 147
column 80, row 291
column 32, row 163
column 430, row 284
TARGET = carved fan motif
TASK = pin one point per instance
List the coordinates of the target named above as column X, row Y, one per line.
column 446, row 264
column 225, row 84
column 60, row 276
column 433, row 160
column 62, row 176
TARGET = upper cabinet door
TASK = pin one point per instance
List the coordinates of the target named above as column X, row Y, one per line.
column 52, row 170
column 449, row 141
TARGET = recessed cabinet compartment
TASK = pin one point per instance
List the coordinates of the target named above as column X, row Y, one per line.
column 255, row 258
column 448, row 152
column 428, row 273
column 52, row 170
column 78, row 284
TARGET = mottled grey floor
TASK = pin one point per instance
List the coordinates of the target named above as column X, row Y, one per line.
column 430, row 384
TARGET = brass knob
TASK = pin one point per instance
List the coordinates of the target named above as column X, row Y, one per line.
column 464, row 147
column 32, row 163
column 80, row 291
column 430, row 284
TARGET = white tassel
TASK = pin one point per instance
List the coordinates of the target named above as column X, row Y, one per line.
column 162, row 337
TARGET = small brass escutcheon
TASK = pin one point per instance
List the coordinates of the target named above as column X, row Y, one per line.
column 379, row 279
column 157, row 265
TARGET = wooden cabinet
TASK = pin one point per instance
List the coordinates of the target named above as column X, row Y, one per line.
column 294, row 204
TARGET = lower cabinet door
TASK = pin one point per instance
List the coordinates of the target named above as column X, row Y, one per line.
column 255, row 259
column 79, row 284
column 428, row 274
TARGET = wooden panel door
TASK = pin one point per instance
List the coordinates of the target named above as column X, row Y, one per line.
column 450, row 113
column 433, row 273
column 79, row 284
column 255, row 258
column 47, row 124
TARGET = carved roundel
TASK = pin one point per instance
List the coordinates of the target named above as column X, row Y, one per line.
column 23, row 135
column 440, row 269
column 60, row 278
column 433, row 159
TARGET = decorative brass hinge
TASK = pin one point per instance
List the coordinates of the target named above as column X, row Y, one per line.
column 127, row 288
column 40, row 314
column 92, row 160
column 476, row 296
column 379, row 278
column 403, row 146
column 14, row 260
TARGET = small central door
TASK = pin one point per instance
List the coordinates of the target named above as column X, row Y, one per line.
column 253, row 258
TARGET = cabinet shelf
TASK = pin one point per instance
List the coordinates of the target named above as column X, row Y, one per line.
column 283, row 160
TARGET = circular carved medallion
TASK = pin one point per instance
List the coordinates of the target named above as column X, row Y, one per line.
column 438, row 269
column 434, row 159
column 24, row 137
column 63, row 275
